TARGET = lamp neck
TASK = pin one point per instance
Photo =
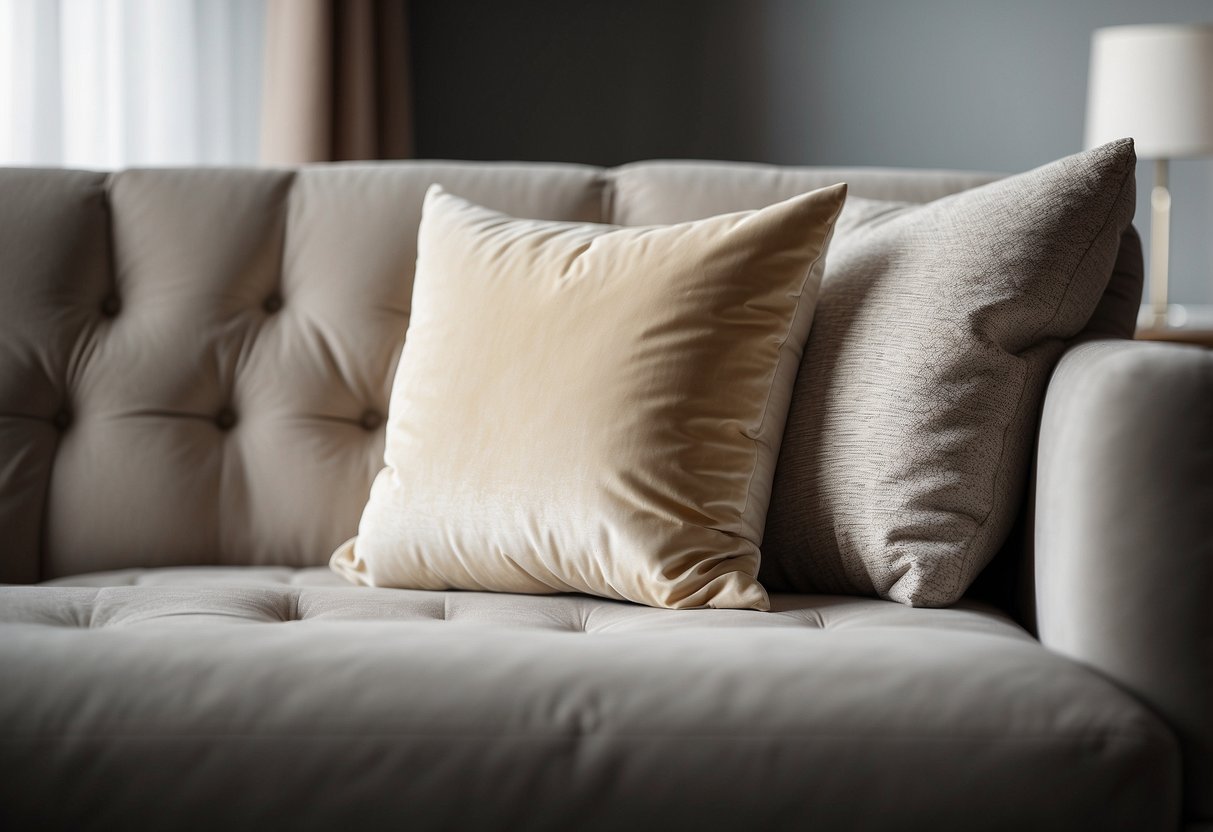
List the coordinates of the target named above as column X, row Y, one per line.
column 1160, row 241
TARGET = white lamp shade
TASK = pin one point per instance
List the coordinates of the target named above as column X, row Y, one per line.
column 1155, row 84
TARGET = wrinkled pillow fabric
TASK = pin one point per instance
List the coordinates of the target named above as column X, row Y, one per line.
column 914, row 414
column 590, row 408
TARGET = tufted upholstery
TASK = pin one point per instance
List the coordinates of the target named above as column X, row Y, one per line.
column 232, row 697
column 196, row 363
column 269, row 595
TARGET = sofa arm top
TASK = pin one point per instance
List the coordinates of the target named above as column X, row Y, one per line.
column 1124, row 532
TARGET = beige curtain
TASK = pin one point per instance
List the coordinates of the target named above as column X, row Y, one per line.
column 336, row 83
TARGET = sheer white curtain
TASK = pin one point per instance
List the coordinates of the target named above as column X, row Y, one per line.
column 115, row 83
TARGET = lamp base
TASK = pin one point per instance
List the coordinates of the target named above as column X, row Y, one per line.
column 1192, row 324
column 1170, row 315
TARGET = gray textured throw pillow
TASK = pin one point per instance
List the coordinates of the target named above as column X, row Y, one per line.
column 910, row 431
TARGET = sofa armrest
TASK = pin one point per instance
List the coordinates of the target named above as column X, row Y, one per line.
column 1123, row 541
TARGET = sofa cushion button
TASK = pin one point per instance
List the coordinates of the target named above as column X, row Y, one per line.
column 225, row 419
column 63, row 419
column 371, row 420
column 272, row 304
column 111, row 306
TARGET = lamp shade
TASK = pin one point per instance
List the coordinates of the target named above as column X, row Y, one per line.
column 1155, row 84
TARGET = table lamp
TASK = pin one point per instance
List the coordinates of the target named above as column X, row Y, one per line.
column 1155, row 84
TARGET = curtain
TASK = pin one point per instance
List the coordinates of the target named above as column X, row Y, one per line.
column 115, row 83
column 336, row 81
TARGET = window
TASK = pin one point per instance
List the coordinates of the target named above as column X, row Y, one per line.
column 116, row 83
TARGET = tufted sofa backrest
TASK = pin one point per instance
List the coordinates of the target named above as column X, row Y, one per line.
column 195, row 364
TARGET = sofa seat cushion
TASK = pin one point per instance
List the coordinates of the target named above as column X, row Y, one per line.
column 229, row 698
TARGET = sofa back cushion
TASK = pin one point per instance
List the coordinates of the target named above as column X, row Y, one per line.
column 54, row 281
column 663, row 192
column 195, row 364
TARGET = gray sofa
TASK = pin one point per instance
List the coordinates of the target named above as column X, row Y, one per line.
column 194, row 371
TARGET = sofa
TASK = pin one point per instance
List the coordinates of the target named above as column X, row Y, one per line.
column 195, row 367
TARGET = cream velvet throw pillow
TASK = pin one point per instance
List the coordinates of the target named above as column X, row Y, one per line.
column 590, row 408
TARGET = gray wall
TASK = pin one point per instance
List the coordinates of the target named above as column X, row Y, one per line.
column 976, row 84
